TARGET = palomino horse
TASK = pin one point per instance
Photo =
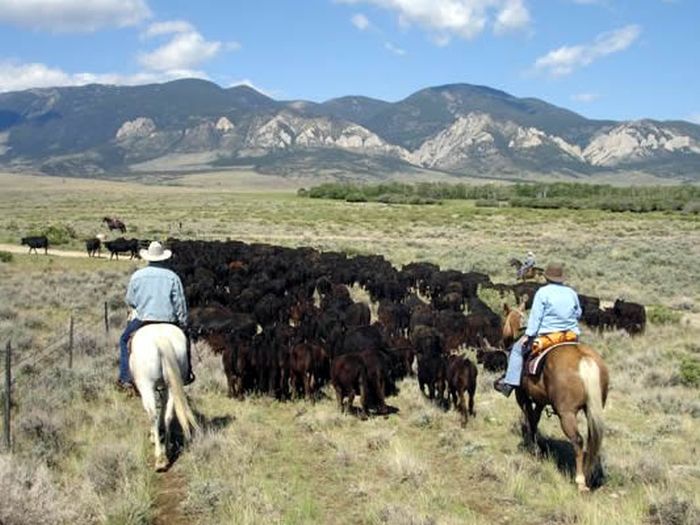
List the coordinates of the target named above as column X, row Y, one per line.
column 159, row 357
column 114, row 224
column 531, row 273
column 512, row 325
column 574, row 378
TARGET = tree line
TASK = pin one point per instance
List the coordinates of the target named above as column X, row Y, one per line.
column 570, row 195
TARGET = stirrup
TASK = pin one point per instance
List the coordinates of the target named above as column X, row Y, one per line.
column 190, row 379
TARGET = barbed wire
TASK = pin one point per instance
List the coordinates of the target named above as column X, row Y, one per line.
column 48, row 355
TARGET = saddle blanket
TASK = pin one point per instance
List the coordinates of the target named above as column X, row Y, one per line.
column 534, row 362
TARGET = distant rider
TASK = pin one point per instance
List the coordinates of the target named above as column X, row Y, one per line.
column 555, row 308
column 155, row 294
column 529, row 263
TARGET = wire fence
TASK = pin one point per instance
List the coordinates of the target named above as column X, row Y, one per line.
column 45, row 360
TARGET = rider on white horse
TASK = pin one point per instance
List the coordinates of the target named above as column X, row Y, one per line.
column 155, row 294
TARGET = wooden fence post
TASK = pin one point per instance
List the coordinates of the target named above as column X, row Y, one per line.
column 106, row 319
column 8, row 399
column 70, row 343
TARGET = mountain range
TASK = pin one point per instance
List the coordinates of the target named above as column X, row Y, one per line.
column 460, row 129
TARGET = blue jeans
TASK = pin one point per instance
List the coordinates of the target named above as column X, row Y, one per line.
column 131, row 327
column 515, row 364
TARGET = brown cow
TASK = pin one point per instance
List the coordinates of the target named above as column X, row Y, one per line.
column 461, row 377
column 349, row 378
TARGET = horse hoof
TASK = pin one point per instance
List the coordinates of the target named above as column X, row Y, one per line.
column 162, row 465
column 583, row 489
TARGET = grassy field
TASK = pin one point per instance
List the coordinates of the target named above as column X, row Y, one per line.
column 81, row 453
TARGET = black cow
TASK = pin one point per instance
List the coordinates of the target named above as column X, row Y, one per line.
column 93, row 247
column 38, row 241
column 630, row 316
column 122, row 245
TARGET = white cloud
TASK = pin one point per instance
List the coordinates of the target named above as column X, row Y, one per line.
column 360, row 21
column 61, row 16
column 167, row 28
column 186, row 49
column 694, row 117
column 17, row 76
column 585, row 97
column 513, row 16
column 394, row 49
column 461, row 18
column 566, row 59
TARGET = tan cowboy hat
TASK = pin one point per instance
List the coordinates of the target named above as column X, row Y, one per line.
column 155, row 253
column 554, row 272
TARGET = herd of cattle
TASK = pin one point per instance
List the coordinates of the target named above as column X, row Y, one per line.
column 285, row 322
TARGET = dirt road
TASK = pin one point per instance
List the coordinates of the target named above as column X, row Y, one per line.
column 13, row 248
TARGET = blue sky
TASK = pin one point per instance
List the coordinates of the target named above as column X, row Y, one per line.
column 619, row 59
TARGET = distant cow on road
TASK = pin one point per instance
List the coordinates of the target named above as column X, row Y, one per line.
column 38, row 241
column 122, row 245
column 93, row 247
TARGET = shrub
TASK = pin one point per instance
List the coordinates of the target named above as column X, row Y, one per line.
column 659, row 314
column 355, row 197
column 673, row 511
column 690, row 372
column 487, row 203
column 692, row 207
column 5, row 257
column 57, row 233
column 28, row 495
column 46, row 433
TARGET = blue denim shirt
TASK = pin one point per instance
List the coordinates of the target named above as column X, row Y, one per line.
column 156, row 294
column 555, row 308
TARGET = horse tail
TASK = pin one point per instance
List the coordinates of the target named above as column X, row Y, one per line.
column 173, row 378
column 589, row 372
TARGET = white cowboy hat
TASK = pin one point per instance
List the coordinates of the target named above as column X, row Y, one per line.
column 155, row 252
column 531, row 254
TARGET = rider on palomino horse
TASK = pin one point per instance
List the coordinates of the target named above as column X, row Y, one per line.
column 155, row 294
column 555, row 309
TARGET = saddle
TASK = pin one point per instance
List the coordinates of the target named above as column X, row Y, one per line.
column 542, row 345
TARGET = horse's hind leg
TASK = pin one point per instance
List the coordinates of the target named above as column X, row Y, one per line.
column 148, row 398
column 570, row 428
column 167, row 422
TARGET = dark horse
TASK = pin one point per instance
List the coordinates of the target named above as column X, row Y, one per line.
column 531, row 273
column 574, row 378
column 114, row 224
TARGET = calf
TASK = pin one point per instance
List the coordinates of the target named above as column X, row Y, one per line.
column 493, row 360
column 93, row 247
column 301, row 369
column 38, row 241
column 461, row 377
column 349, row 378
column 432, row 365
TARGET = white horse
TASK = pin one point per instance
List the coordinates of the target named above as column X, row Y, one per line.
column 159, row 358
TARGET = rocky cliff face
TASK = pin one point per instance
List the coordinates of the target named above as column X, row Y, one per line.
column 635, row 141
column 287, row 130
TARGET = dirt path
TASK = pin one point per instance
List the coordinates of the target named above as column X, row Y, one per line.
column 170, row 493
column 13, row 248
